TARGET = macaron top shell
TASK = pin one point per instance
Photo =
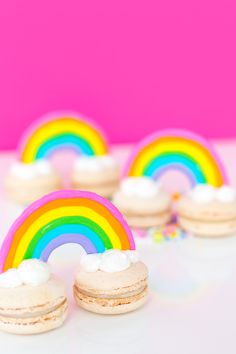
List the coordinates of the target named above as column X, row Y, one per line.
column 42, row 296
column 101, row 282
column 211, row 211
column 145, row 206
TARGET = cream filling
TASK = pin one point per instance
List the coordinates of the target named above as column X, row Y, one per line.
column 107, row 296
column 147, row 215
column 28, row 315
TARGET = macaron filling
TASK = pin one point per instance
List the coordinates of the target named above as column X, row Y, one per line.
column 18, row 313
column 110, row 301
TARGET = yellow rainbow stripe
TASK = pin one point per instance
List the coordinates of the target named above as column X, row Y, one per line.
column 177, row 149
column 55, row 132
column 65, row 217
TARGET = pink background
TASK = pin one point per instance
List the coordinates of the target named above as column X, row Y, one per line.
column 134, row 66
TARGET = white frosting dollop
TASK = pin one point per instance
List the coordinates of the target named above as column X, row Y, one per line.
column 90, row 262
column 226, row 194
column 34, row 272
column 205, row 193
column 94, row 163
column 29, row 171
column 143, row 187
column 202, row 193
column 10, row 279
column 114, row 261
column 110, row 261
column 133, row 256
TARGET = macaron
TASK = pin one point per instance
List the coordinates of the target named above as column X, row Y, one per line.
column 143, row 202
column 98, row 174
column 31, row 301
column 111, row 284
column 26, row 183
column 207, row 211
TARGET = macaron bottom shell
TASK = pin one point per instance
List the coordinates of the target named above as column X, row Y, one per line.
column 110, row 306
column 112, row 292
column 146, row 221
column 44, row 322
column 209, row 229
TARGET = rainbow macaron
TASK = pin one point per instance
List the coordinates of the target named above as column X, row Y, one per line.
column 113, row 283
column 33, row 176
column 31, row 299
column 207, row 211
column 143, row 202
column 95, row 224
column 26, row 183
column 98, row 174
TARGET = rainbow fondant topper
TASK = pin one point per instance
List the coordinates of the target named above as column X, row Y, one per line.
column 65, row 217
column 57, row 131
column 177, row 149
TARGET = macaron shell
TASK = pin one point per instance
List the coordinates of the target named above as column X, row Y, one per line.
column 112, row 283
column 36, row 324
column 104, row 183
column 143, row 206
column 111, row 306
column 213, row 211
column 33, row 309
column 146, row 221
column 43, row 296
column 208, row 229
column 112, row 293
column 26, row 191
column 99, row 177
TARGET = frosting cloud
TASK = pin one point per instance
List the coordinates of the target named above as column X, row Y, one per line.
column 36, row 169
column 110, row 261
column 30, row 272
column 94, row 163
column 204, row 193
column 143, row 187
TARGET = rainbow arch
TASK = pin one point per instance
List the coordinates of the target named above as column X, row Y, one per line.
column 60, row 130
column 177, row 149
column 65, row 217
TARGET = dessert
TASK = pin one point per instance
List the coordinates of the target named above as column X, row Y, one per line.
column 28, row 182
column 98, row 174
column 32, row 300
column 91, row 221
column 207, row 211
column 33, row 175
column 114, row 282
column 143, row 202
